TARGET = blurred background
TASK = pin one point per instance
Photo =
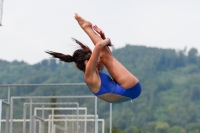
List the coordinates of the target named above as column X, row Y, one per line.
column 158, row 41
column 32, row 26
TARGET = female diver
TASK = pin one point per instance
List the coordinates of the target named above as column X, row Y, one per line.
column 123, row 85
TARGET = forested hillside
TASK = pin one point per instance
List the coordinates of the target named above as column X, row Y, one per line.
column 170, row 79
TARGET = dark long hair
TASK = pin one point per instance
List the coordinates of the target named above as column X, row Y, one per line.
column 79, row 56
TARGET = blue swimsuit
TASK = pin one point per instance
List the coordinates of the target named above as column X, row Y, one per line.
column 110, row 86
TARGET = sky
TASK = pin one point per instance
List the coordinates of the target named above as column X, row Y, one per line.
column 31, row 27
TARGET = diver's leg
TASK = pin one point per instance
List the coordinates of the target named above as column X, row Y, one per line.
column 117, row 71
column 87, row 27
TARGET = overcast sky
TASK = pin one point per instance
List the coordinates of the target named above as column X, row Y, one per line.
column 32, row 26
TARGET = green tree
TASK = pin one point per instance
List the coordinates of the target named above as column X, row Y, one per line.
column 115, row 129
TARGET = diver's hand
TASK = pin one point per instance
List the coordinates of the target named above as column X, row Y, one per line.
column 101, row 33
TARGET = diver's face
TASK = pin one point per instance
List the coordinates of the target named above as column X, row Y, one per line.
column 100, row 65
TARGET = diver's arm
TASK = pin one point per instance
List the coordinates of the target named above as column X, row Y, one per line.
column 92, row 63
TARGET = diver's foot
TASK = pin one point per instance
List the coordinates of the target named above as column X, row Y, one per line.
column 82, row 22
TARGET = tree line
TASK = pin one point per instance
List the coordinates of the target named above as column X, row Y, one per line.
column 170, row 98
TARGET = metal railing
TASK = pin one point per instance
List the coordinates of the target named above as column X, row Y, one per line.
column 10, row 100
